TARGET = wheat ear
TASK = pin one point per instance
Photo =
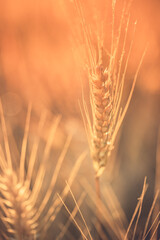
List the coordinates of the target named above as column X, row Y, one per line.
column 25, row 211
column 106, row 73
column 17, row 209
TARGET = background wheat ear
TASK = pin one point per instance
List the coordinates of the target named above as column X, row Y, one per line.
column 26, row 208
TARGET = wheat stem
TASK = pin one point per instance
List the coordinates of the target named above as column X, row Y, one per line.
column 98, row 205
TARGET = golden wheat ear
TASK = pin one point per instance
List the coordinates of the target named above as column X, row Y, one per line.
column 106, row 73
column 25, row 211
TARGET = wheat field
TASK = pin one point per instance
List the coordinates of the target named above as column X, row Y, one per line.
column 79, row 120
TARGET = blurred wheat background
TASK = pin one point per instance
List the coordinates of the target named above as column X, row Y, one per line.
column 41, row 61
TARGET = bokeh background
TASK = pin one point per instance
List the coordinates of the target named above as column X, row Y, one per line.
column 40, row 63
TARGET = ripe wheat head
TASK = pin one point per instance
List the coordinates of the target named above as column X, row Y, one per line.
column 107, row 74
